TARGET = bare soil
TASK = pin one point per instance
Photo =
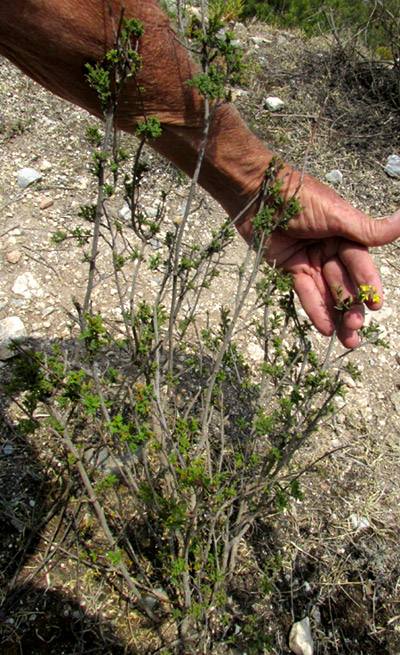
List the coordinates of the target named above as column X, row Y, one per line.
column 339, row 547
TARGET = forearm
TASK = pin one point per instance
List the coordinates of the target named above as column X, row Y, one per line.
column 53, row 40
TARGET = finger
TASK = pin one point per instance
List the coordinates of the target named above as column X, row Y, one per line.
column 336, row 272
column 316, row 301
column 327, row 214
column 320, row 310
column 340, row 283
column 348, row 337
column 361, row 269
column 352, row 224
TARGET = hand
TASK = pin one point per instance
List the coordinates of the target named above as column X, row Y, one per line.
column 326, row 246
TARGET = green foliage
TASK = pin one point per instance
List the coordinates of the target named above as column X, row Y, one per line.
column 148, row 129
column 227, row 10
column 275, row 210
column 119, row 64
column 377, row 22
column 94, row 334
column 310, row 15
column 219, row 56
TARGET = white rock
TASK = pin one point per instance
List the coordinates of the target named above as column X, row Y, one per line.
column 348, row 380
column 26, row 285
column 256, row 352
column 11, row 329
column 273, row 103
column 155, row 244
column 125, row 213
column 27, row 176
column 368, row 317
column 392, row 167
column 83, row 183
column 151, row 212
column 10, row 242
column 45, row 165
column 359, row 522
column 300, row 639
column 335, row 176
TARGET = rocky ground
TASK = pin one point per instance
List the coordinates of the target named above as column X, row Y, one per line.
column 340, row 547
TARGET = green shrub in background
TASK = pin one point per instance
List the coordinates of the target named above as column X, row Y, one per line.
column 310, row 15
column 313, row 16
column 375, row 24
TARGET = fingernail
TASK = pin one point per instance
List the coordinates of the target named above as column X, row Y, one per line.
column 394, row 217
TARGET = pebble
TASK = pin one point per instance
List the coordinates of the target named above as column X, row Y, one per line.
column 11, row 241
column 239, row 93
column 255, row 352
column 155, row 244
column 258, row 40
column 11, row 329
column 335, row 176
column 300, row 639
column 45, row 166
column 46, row 203
column 384, row 313
column 359, row 522
column 348, row 380
column 316, row 615
column 125, row 213
column 392, row 167
column 83, row 183
column 14, row 256
column 273, row 103
column 27, row 176
column 151, row 212
column 26, row 285
column 48, row 311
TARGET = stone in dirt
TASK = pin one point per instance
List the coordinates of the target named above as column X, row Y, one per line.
column 273, row 104
column 335, row 176
column 392, row 167
column 26, row 285
column 45, row 203
column 27, row 176
column 300, row 639
column 11, row 329
column 14, row 256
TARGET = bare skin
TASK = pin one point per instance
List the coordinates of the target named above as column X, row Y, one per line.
column 324, row 247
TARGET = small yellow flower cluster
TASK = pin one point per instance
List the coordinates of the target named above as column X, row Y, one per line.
column 368, row 293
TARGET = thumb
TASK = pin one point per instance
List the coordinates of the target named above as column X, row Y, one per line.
column 385, row 230
column 356, row 226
